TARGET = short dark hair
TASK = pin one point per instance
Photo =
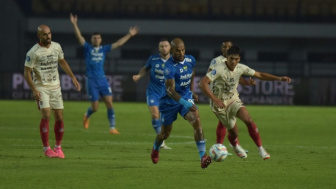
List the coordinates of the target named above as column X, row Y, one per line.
column 95, row 33
column 233, row 50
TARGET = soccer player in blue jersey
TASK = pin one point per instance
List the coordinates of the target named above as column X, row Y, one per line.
column 156, row 86
column 178, row 98
column 96, row 82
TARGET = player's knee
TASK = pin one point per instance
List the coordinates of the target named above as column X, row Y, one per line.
column 248, row 121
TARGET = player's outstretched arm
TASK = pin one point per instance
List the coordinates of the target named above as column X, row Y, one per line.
column 65, row 66
column 141, row 73
column 73, row 20
column 270, row 77
column 204, row 85
column 132, row 32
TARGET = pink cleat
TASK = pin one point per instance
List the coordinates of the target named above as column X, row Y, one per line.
column 49, row 153
column 155, row 156
column 59, row 153
column 205, row 161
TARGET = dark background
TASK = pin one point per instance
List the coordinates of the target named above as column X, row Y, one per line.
column 296, row 38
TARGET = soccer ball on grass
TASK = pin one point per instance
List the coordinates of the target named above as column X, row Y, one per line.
column 218, row 152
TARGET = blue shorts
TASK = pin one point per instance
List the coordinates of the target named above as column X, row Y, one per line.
column 169, row 113
column 96, row 88
column 153, row 100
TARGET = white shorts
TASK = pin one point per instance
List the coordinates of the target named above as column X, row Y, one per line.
column 50, row 98
column 228, row 114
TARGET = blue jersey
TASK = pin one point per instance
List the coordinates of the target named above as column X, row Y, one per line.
column 181, row 72
column 94, row 59
column 156, row 84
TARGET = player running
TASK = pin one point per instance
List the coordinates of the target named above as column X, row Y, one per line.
column 156, row 86
column 225, row 102
column 178, row 98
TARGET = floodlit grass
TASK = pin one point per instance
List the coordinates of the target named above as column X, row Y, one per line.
column 301, row 141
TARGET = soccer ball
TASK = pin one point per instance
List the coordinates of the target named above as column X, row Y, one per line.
column 218, row 152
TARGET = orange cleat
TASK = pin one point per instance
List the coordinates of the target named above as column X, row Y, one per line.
column 86, row 122
column 114, row 131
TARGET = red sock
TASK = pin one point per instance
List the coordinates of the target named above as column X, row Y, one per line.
column 254, row 134
column 220, row 133
column 233, row 140
column 44, row 132
column 59, row 130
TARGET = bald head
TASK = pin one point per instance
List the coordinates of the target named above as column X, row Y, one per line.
column 44, row 34
column 177, row 49
column 225, row 47
column 177, row 41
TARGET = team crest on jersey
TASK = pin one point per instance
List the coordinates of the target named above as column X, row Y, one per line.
column 181, row 70
column 185, row 67
column 213, row 72
column 157, row 65
column 28, row 58
column 167, row 71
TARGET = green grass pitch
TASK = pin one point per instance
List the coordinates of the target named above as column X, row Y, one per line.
column 301, row 141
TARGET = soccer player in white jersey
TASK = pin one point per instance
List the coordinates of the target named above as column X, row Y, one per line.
column 225, row 102
column 43, row 60
column 221, row 129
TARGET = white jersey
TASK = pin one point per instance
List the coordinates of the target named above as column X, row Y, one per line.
column 44, row 62
column 225, row 81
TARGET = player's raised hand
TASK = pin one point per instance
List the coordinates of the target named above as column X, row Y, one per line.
column 134, row 30
column 73, row 18
column 136, row 78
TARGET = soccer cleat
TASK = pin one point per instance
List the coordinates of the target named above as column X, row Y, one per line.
column 239, row 151
column 205, row 161
column 264, row 155
column 114, row 131
column 58, row 151
column 155, row 156
column 164, row 146
column 50, row 153
column 86, row 121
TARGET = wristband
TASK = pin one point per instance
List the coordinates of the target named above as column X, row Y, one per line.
column 185, row 103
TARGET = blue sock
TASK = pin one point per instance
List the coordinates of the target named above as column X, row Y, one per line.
column 156, row 125
column 201, row 148
column 157, row 145
column 89, row 112
column 111, row 117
